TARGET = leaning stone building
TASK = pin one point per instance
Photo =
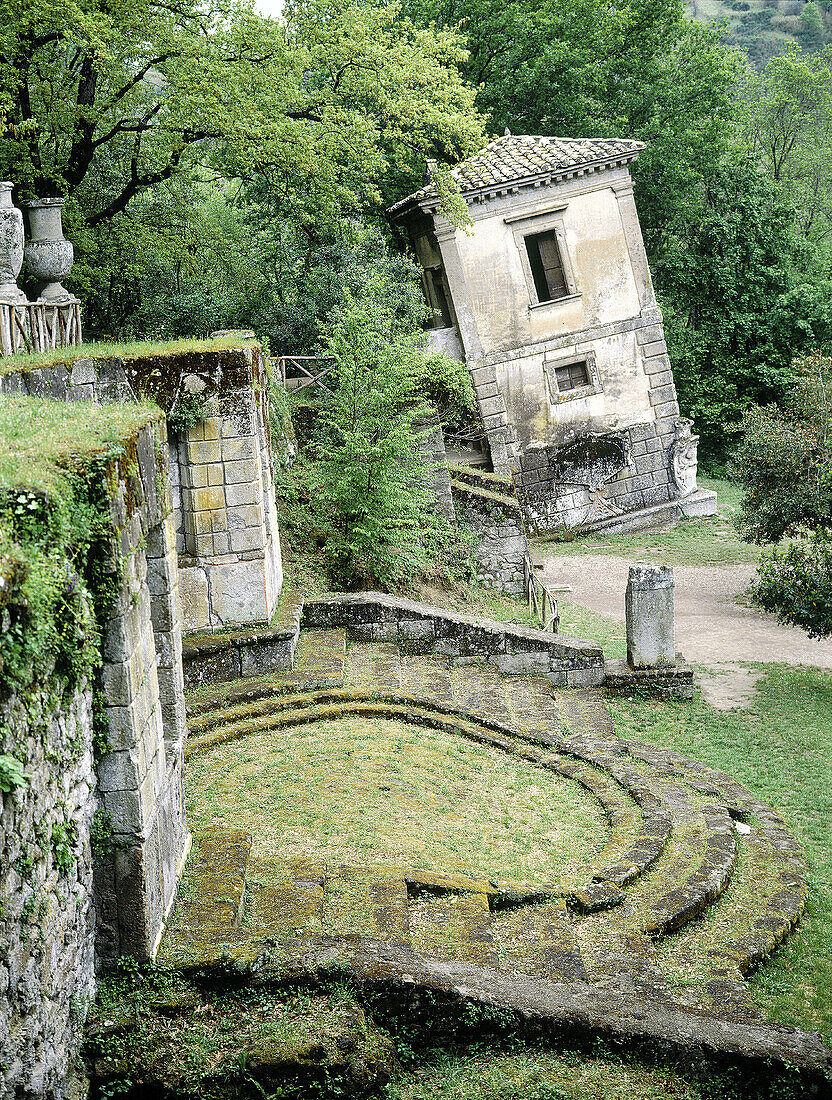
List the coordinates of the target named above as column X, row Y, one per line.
column 547, row 297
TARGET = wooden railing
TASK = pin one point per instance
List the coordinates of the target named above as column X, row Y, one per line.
column 300, row 371
column 27, row 327
column 542, row 604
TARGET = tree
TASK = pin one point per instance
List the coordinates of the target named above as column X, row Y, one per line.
column 737, row 300
column 372, row 481
column 784, row 463
column 789, row 124
column 179, row 132
column 784, row 460
column 102, row 101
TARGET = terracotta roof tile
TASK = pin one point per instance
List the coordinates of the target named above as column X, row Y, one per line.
column 512, row 161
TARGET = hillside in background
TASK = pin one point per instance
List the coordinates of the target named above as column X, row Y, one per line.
column 764, row 28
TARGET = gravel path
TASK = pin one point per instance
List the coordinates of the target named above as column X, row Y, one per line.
column 712, row 629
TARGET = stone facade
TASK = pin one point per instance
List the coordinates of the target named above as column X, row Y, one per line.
column 549, row 296
column 220, row 471
column 46, row 912
column 140, row 778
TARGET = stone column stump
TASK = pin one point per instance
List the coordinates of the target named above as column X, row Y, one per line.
column 648, row 609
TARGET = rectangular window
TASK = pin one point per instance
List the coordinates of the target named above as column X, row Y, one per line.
column 571, row 379
column 572, row 376
column 546, row 266
column 436, row 295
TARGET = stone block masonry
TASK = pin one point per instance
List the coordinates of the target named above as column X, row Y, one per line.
column 46, row 909
column 494, row 516
column 140, row 779
column 220, row 466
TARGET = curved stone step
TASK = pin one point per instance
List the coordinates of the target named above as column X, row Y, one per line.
column 376, row 666
column 427, row 678
column 285, row 901
column 539, row 940
column 366, row 901
column 629, row 851
column 453, row 926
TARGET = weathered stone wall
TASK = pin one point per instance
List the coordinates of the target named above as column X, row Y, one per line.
column 46, row 914
column 220, row 467
column 140, row 778
column 420, row 628
column 561, row 490
column 438, row 481
column 496, row 521
column 231, row 568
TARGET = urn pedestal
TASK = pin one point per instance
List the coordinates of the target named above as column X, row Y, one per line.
column 48, row 253
column 11, row 247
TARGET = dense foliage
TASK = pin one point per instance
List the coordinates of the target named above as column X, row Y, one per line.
column 784, row 463
column 372, row 486
column 190, row 207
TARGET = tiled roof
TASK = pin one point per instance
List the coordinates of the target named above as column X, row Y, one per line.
column 512, row 161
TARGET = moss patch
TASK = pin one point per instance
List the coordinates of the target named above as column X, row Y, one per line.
column 159, row 1031
column 355, row 789
column 72, row 354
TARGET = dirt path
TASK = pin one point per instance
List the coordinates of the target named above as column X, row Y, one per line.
column 712, row 629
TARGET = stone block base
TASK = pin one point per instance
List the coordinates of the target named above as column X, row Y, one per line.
column 653, row 683
column 701, row 502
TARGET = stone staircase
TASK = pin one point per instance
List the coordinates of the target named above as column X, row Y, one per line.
column 697, row 881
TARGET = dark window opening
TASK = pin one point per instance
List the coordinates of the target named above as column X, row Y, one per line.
column 572, row 376
column 546, row 265
column 433, row 284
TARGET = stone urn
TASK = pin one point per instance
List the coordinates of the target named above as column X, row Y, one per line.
column 11, row 246
column 48, row 253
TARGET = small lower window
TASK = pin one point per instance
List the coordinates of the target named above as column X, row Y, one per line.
column 571, row 379
column 572, row 376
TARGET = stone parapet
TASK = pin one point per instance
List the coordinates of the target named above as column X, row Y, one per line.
column 419, row 628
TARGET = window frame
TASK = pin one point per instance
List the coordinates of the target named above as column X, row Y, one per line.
column 527, row 225
column 551, row 363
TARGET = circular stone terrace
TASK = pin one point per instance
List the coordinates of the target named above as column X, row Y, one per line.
column 417, row 823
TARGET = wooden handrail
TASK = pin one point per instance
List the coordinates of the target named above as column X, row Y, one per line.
column 542, row 604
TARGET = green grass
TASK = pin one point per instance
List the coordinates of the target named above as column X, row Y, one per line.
column 39, row 439
column 708, row 541
column 538, row 1075
column 137, row 350
column 358, row 790
column 781, row 749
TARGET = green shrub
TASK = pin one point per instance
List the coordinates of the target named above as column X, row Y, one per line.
column 372, row 484
column 797, row 585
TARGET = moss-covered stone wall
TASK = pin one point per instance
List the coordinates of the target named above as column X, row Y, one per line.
column 46, row 912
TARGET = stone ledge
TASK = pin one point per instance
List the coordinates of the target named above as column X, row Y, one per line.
column 209, row 658
column 373, row 616
column 701, row 502
column 657, row 683
column 481, row 497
